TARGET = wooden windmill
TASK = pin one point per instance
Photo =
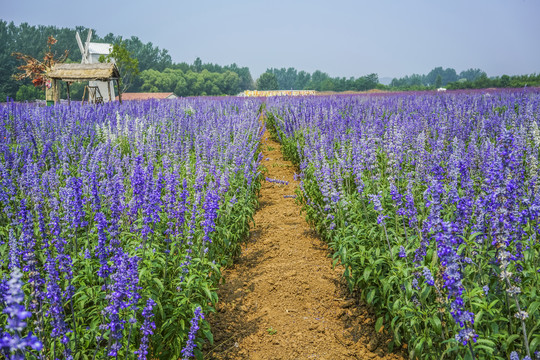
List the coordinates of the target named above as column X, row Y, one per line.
column 90, row 53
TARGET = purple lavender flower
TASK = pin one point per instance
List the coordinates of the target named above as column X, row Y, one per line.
column 123, row 294
column 429, row 278
column 28, row 251
column 187, row 351
column 147, row 329
column 466, row 335
column 211, row 207
column 137, row 185
column 12, row 344
column 75, row 213
column 415, row 284
column 96, row 200
column 102, row 249
column 55, row 267
column 277, row 181
column 14, row 261
column 376, row 201
column 514, row 355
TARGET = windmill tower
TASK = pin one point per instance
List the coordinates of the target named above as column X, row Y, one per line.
column 90, row 54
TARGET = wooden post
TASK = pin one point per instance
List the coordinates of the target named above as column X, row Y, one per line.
column 84, row 94
column 109, row 89
column 119, row 90
column 68, row 95
column 56, row 92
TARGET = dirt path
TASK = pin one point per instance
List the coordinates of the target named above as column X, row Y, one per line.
column 282, row 299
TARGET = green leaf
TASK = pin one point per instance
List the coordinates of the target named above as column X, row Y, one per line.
column 370, row 296
column 436, row 323
column 159, row 284
column 485, row 342
column 533, row 345
column 367, row 272
column 419, row 346
column 379, row 324
column 478, row 317
column 468, row 355
column 511, row 339
column 424, row 294
column 488, row 349
column 207, row 291
column 209, row 336
column 396, row 305
column 533, row 307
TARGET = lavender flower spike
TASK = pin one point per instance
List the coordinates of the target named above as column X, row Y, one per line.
column 187, row 351
column 147, row 329
column 13, row 346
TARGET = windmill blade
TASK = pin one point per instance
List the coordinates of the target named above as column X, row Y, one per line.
column 84, row 54
column 79, row 42
column 88, row 38
column 85, row 49
column 87, row 45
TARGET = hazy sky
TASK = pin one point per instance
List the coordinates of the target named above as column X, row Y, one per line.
column 392, row 38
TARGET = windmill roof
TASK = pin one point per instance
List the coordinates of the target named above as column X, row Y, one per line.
column 84, row 72
column 99, row 48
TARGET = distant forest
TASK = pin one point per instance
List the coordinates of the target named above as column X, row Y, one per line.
column 467, row 79
column 158, row 73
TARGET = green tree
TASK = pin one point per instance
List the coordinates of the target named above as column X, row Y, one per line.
column 372, row 81
column 317, row 79
column 438, row 81
column 286, row 78
column 245, row 81
column 29, row 92
column 229, row 83
column 148, row 55
column 127, row 65
column 8, row 85
column 449, row 75
column 197, row 65
column 505, row 81
column 327, row 85
column 471, row 74
column 482, row 82
column 267, row 81
column 302, row 80
column 415, row 80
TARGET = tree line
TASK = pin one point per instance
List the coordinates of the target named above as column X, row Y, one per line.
column 467, row 79
column 199, row 78
column 504, row 81
column 292, row 79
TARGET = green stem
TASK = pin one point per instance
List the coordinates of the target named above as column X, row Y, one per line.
column 388, row 242
column 523, row 327
column 471, row 349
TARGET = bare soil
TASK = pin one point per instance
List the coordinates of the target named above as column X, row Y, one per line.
column 282, row 299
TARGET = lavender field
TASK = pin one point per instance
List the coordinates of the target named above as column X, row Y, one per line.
column 116, row 220
column 431, row 204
